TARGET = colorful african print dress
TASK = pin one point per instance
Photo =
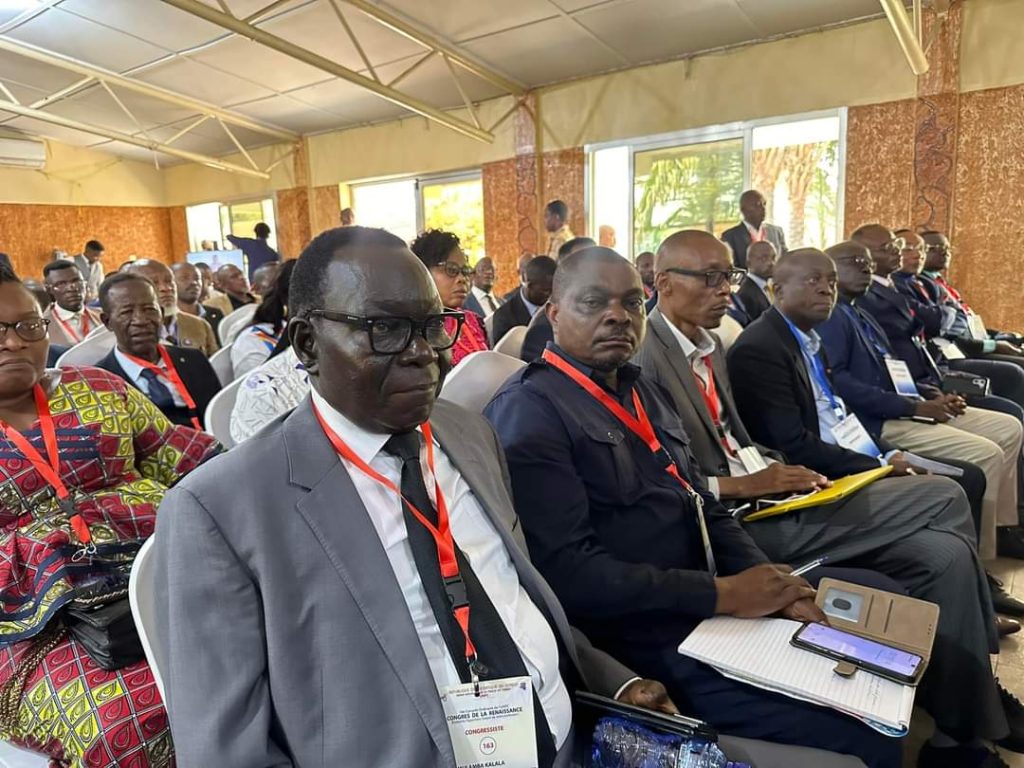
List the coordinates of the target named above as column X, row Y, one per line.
column 118, row 454
column 472, row 338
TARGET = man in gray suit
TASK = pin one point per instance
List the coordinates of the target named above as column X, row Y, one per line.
column 901, row 526
column 306, row 608
column 753, row 228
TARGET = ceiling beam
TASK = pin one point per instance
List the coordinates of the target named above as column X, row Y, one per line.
column 75, row 125
column 904, row 30
column 112, row 78
column 404, row 28
column 306, row 56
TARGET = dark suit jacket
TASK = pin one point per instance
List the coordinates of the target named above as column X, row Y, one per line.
column 196, row 373
column 903, row 319
column 662, row 361
column 213, row 316
column 906, row 284
column 510, row 314
column 538, row 335
column 859, row 372
column 738, row 238
column 749, row 303
column 472, row 305
column 776, row 401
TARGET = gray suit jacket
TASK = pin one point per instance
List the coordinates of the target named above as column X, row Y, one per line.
column 290, row 643
column 662, row 360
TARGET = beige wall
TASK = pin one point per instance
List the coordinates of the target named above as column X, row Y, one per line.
column 849, row 66
column 80, row 176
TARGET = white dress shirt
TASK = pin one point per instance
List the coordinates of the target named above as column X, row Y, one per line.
column 273, row 388
column 477, row 538
column 73, row 320
column 134, row 373
column 488, row 302
column 761, row 283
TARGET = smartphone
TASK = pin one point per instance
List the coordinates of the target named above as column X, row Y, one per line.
column 883, row 660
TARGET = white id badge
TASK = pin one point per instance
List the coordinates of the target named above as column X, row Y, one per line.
column 949, row 350
column 850, row 434
column 977, row 325
column 751, row 459
column 901, row 378
column 494, row 728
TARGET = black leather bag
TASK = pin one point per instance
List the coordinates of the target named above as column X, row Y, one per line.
column 107, row 632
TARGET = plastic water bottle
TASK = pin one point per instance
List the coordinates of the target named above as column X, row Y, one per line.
column 620, row 743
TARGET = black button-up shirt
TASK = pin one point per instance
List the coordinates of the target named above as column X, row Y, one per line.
column 615, row 535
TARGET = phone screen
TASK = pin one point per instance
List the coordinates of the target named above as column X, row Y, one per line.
column 902, row 663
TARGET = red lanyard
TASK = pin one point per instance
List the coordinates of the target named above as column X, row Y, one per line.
column 171, row 375
column 710, row 394
column 441, row 533
column 71, row 331
column 640, row 426
column 49, row 469
column 953, row 293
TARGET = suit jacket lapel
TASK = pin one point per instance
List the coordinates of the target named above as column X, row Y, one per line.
column 792, row 346
column 893, row 297
column 336, row 515
column 523, row 315
column 724, row 387
column 681, row 366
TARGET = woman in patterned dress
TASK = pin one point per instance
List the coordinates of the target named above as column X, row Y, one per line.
column 116, row 455
column 447, row 262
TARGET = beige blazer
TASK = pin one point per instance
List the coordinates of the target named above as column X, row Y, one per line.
column 195, row 332
column 58, row 335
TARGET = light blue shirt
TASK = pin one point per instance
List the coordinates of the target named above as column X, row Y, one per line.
column 134, row 373
column 828, row 417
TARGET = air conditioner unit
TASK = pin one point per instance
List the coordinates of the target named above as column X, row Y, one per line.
column 22, row 152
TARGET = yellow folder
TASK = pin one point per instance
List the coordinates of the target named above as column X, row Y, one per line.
column 840, row 489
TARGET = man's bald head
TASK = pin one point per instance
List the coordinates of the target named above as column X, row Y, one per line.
column 761, row 257
column 159, row 274
column 688, row 301
column 853, row 268
column 805, row 286
column 687, row 249
column 570, row 267
column 884, row 246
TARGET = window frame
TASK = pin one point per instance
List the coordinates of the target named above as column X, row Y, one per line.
column 743, row 129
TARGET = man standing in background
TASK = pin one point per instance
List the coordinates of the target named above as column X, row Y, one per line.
column 556, row 216
column 481, row 298
column 753, row 228
column 88, row 263
column 256, row 249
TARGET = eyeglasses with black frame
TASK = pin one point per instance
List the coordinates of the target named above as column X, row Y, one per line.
column 392, row 335
column 940, row 248
column 894, row 246
column 452, row 269
column 33, row 329
column 713, row 278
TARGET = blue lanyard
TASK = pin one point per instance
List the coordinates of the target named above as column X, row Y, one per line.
column 817, row 369
column 866, row 329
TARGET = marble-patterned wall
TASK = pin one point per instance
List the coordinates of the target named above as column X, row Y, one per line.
column 562, row 179
column 324, row 209
column 29, row 233
column 293, row 230
column 179, row 232
column 501, row 229
column 879, row 165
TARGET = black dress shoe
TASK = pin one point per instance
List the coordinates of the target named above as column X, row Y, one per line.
column 1010, row 542
column 1002, row 600
column 1015, row 717
column 1006, row 627
column 959, row 757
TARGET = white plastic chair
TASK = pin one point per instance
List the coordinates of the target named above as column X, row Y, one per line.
column 89, row 351
column 232, row 325
column 511, row 343
column 218, row 412
column 473, row 382
column 16, row 757
column 728, row 331
column 221, row 363
column 141, row 588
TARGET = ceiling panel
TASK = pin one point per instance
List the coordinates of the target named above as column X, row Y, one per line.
column 204, row 83
column 545, row 52
column 246, row 59
column 432, row 83
column 576, row 5
column 156, row 22
column 18, row 69
column 39, row 128
column 458, row 20
column 777, row 17
column 96, row 101
column 317, row 28
column 297, row 116
column 648, row 30
column 349, row 103
column 86, row 40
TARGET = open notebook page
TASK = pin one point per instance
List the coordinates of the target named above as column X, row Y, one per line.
column 758, row 652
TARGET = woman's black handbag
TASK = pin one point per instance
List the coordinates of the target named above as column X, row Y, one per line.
column 106, row 631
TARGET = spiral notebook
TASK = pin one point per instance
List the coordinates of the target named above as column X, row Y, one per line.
column 758, row 652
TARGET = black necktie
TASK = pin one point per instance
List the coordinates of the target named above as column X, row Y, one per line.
column 158, row 393
column 494, row 646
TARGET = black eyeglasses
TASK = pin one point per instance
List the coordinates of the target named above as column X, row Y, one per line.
column 27, row 330
column 860, row 261
column 895, row 247
column 941, row 248
column 391, row 335
column 454, row 270
column 713, row 278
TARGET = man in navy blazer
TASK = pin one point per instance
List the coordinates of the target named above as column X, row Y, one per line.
column 753, row 228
